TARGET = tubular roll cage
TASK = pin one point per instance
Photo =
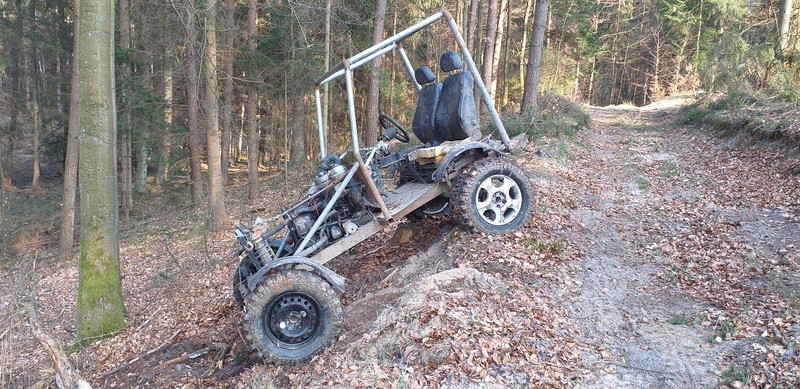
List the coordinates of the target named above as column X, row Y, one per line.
column 345, row 69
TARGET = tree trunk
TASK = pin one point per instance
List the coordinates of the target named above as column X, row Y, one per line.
column 699, row 35
column 61, row 86
column 297, row 152
column 590, row 93
column 227, row 89
column 35, row 108
column 531, row 90
column 216, row 189
column 127, row 172
column 576, row 84
column 143, row 142
column 240, row 133
column 237, row 156
column 140, row 183
column 193, row 109
column 488, row 47
column 127, row 157
column 166, row 138
column 477, row 55
column 7, row 163
column 498, row 43
column 506, row 58
column 37, row 125
column 297, row 149
column 393, row 64
column 100, row 309
column 269, row 152
column 784, row 21
column 70, row 163
column 326, row 93
column 250, row 110
column 374, row 83
column 472, row 23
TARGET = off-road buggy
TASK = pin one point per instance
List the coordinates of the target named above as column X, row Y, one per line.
column 290, row 299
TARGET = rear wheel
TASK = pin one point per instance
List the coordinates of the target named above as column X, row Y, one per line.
column 492, row 196
column 292, row 315
column 440, row 206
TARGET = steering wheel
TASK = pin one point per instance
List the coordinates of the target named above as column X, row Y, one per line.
column 388, row 123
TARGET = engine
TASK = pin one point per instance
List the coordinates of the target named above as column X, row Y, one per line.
column 346, row 215
column 350, row 211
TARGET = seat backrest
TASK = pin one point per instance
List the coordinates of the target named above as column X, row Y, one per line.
column 456, row 115
column 423, row 125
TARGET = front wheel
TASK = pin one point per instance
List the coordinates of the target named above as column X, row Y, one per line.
column 492, row 196
column 292, row 315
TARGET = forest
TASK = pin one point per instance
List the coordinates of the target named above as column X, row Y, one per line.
column 135, row 136
column 596, row 52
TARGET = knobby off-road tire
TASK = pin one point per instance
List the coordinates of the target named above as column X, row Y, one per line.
column 291, row 315
column 492, row 195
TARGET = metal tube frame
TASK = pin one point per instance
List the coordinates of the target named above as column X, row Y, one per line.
column 399, row 37
column 351, row 107
column 357, row 64
column 360, row 62
column 327, row 210
column 345, row 68
column 323, row 149
column 409, row 67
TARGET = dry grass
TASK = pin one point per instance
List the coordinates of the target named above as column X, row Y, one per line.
column 12, row 331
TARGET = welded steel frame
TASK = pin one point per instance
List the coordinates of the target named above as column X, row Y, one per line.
column 346, row 67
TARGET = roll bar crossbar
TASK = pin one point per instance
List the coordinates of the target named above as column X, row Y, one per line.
column 346, row 67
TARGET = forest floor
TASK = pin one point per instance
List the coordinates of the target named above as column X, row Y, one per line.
column 659, row 256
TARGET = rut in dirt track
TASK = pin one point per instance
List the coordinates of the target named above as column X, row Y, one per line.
column 637, row 176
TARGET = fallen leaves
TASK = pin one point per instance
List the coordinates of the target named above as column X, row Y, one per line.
column 716, row 221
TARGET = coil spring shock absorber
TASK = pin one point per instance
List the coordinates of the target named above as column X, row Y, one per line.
column 262, row 250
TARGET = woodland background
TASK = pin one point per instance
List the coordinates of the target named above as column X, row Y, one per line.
column 266, row 55
column 214, row 93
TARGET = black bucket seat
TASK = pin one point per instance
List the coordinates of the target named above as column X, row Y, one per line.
column 456, row 116
column 423, row 125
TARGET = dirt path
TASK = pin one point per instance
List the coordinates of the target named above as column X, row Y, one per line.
column 619, row 310
column 640, row 192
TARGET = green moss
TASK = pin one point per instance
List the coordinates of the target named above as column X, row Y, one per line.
column 643, row 183
column 536, row 246
column 100, row 307
column 735, row 374
column 669, row 170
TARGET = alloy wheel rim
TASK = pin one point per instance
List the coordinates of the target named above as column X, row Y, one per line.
column 498, row 200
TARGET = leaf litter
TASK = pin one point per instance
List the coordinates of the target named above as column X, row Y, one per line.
column 710, row 244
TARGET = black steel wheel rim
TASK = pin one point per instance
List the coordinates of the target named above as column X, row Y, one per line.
column 291, row 320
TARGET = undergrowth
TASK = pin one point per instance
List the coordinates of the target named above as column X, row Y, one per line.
column 747, row 112
column 557, row 117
